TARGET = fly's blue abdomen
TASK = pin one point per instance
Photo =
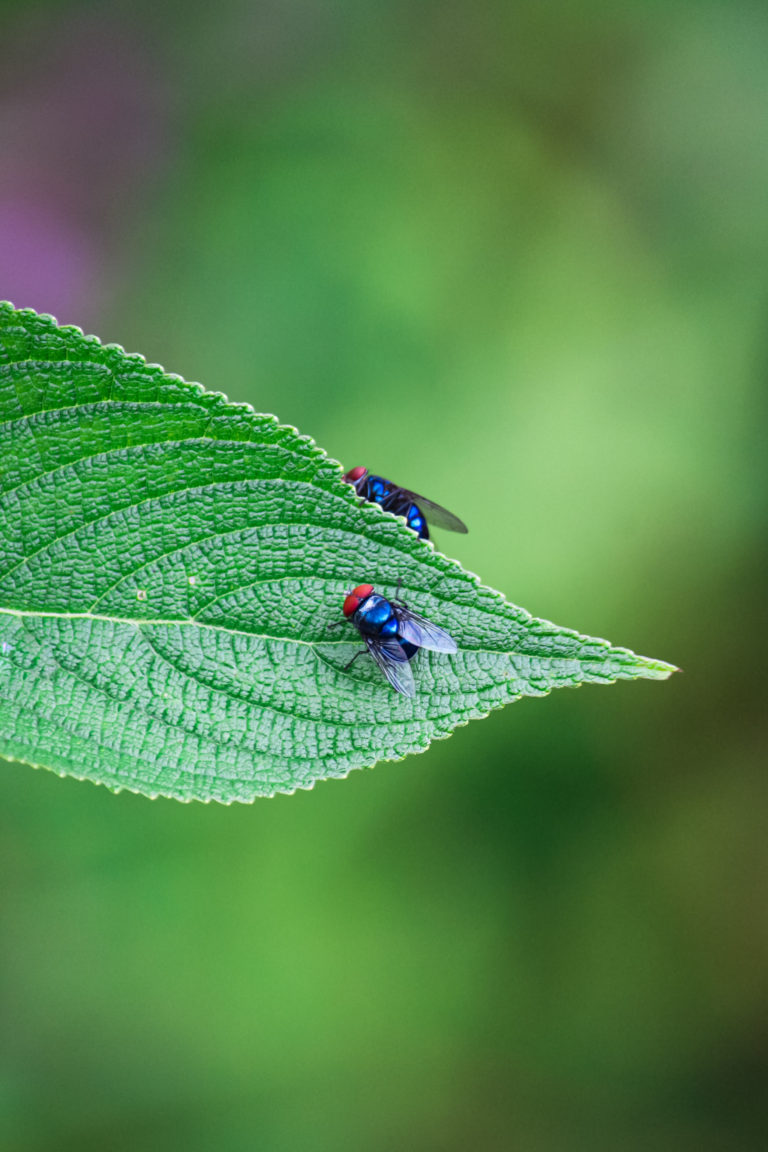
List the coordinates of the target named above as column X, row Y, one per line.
column 416, row 521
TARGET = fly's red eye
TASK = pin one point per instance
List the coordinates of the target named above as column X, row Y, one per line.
column 355, row 598
column 355, row 474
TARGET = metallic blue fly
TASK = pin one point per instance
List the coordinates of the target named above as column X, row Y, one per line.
column 392, row 634
column 403, row 502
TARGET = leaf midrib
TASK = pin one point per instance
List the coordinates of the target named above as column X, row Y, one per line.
column 159, row 622
column 191, row 622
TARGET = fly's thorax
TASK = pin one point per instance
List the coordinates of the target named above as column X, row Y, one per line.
column 375, row 617
column 377, row 488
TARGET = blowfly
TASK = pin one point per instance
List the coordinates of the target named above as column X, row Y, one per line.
column 403, row 502
column 392, row 634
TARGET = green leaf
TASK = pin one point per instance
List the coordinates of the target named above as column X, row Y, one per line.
column 170, row 564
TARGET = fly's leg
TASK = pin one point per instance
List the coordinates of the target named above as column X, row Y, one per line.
column 397, row 592
column 362, row 652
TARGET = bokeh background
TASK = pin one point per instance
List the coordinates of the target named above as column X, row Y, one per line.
column 515, row 255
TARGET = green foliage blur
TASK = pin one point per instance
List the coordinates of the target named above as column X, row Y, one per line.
column 514, row 255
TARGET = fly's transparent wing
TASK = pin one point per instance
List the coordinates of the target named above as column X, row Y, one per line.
column 435, row 513
column 422, row 632
column 393, row 662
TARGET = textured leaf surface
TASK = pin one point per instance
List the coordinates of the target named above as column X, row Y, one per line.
column 170, row 563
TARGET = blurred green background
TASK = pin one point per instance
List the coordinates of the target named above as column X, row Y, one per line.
column 541, row 230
